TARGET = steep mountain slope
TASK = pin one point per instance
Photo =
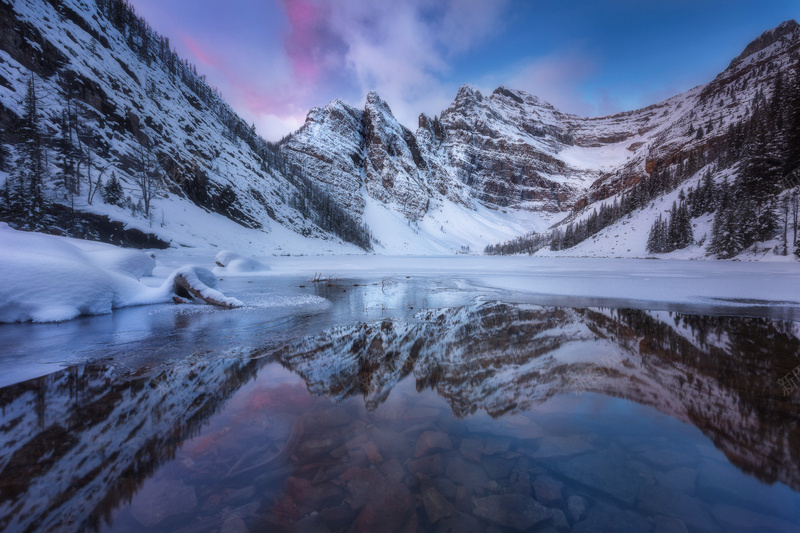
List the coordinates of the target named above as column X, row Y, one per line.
column 113, row 98
column 730, row 137
column 405, row 186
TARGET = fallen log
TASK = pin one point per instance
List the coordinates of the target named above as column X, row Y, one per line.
column 198, row 282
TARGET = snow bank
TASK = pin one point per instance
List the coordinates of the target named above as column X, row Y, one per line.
column 232, row 263
column 131, row 263
column 46, row 279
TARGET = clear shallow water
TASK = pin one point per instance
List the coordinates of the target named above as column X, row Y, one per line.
column 403, row 406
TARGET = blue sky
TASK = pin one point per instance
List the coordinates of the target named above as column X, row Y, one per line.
column 275, row 59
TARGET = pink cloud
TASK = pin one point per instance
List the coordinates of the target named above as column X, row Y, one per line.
column 310, row 45
column 202, row 55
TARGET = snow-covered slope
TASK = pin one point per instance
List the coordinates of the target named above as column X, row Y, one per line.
column 406, row 187
column 127, row 96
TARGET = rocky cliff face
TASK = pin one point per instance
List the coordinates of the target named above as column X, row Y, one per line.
column 498, row 150
column 347, row 149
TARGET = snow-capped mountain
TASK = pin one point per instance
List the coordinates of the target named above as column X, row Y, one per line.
column 512, row 153
column 113, row 98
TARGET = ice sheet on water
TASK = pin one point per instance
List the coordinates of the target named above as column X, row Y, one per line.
column 306, row 301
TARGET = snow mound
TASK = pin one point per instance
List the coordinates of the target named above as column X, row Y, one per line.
column 131, row 263
column 232, row 263
column 47, row 279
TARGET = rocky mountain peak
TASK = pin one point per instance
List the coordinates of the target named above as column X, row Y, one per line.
column 770, row 37
column 509, row 93
column 376, row 104
column 467, row 96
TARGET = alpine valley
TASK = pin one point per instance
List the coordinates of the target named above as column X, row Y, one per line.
column 108, row 135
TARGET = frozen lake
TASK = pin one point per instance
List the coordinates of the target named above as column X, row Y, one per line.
column 405, row 394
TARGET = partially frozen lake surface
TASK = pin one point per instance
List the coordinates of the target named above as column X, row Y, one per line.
column 416, row 394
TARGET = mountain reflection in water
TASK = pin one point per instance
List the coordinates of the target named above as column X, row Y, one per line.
column 238, row 441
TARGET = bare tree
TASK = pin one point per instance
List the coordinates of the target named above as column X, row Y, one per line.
column 785, row 241
column 97, row 185
column 795, row 212
column 148, row 177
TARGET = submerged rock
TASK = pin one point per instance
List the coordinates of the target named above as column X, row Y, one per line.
column 430, row 466
column 577, row 505
column 547, row 490
column 511, row 510
column 472, row 449
column 662, row 500
column 234, row 524
column 555, row 447
column 467, row 474
column 162, row 499
column 606, row 472
column 603, row 518
column 436, row 505
column 432, row 441
column 459, row 523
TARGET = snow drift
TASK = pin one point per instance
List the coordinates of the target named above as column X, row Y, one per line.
column 47, row 279
column 229, row 262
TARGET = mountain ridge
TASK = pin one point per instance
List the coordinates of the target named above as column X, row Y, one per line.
column 512, row 150
column 487, row 168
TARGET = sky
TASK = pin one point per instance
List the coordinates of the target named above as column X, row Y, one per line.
column 273, row 60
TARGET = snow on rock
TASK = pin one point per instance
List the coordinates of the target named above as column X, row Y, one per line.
column 48, row 279
column 199, row 282
column 229, row 262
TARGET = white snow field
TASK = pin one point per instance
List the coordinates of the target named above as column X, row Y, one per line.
column 650, row 281
column 49, row 279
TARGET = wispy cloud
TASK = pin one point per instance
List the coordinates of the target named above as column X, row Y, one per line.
column 557, row 79
column 402, row 49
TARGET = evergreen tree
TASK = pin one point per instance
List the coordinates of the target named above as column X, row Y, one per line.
column 791, row 163
column 24, row 194
column 767, row 224
column 66, row 154
column 784, row 247
column 685, row 226
column 4, row 154
column 112, row 191
column 726, row 239
column 673, row 233
column 657, row 240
